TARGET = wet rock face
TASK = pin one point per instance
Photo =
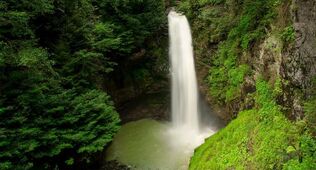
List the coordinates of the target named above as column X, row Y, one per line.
column 301, row 65
column 271, row 58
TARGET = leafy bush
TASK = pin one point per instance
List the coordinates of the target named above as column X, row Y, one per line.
column 288, row 34
column 55, row 57
column 226, row 77
column 50, row 123
column 305, row 157
column 260, row 138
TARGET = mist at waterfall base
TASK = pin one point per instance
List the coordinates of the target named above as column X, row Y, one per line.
column 149, row 144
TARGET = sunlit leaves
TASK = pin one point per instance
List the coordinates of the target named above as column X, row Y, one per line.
column 260, row 138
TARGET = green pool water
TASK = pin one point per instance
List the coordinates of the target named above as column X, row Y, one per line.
column 149, row 144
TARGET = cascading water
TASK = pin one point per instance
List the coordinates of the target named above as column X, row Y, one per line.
column 149, row 144
column 184, row 84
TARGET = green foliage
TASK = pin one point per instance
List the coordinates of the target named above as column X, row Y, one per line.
column 50, row 121
column 264, row 94
column 288, row 34
column 70, row 161
column 305, row 156
column 261, row 138
column 184, row 6
column 227, row 148
column 277, row 90
column 235, row 79
column 226, row 77
column 134, row 20
column 310, row 113
column 55, row 57
column 310, row 109
column 246, row 143
column 246, row 30
column 143, row 77
column 235, row 26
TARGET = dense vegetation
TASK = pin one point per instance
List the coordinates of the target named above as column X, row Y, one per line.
column 229, row 36
column 61, row 62
column 259, row 138
column 234, row 26
column 55, row 59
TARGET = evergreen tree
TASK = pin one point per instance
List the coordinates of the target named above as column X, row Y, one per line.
column 53, row 55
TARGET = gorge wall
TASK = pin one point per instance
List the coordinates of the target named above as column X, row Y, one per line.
column 256, row 67
column 285, row 49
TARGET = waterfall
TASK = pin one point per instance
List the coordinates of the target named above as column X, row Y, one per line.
column 184, row 84
column 149, row 144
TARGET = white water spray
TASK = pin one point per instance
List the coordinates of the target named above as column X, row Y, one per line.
column 185, row 115
column 184, row 84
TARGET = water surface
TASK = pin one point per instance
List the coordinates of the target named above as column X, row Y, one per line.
column 149, row 144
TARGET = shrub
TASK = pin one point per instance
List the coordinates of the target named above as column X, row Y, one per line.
column 54, row 127
column 288, row 34
column 260, row 138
